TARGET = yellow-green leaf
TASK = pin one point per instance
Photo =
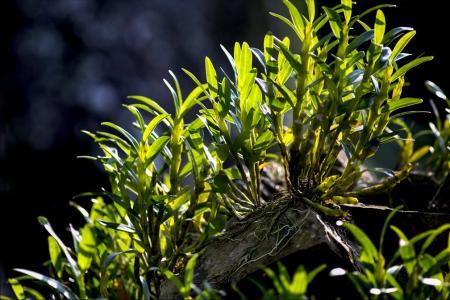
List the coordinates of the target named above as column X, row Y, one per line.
column 380, row 27
column 211, row 77
column 55, row 255
column 419, row 153
column 17, row 288
column 401, row 44
column 347, row 6
column 86, row 249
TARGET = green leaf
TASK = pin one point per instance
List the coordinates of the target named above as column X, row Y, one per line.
column 178, row 201
column 189, row 271
column 137, row 115
column 125, row 133
column 433, row 236
column 419, row 153
column 17, row 288
column 293, row 61
column 155, row 148
column 72, row 263
column 104, row 276
column 64, row 290
column 152, row 125
column 55, row 255
column 177, row 86
column 402, row 43
column 152, row 104
column 391, row 106
column 359, row 40
column 368, row 11
column 347, row 6
column 410, row 65
column 268, row 47
column 86, row 248
column 117, row 226
column 175, row 96
column 285, row 20
column 299, row 281
column 174, row 279
column 211, row 77
column 380, row 27
column 312, row 274
column 312, row 9
column 334, row 20
column 406, row 250
column 394, row 33
column 296, row 18
column 364, row 240
column 191, row 100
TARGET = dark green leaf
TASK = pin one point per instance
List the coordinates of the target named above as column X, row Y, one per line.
column 359, row 40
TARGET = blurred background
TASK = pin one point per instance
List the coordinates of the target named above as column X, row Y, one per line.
column 67, row 65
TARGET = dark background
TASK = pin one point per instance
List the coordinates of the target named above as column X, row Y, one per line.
column 67, row 65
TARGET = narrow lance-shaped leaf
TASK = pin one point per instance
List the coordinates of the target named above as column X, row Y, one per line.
column 301, row 35
column 402, row 43
column 138, row 116
column 149, row 102
column 155, row 148
column 335, row 21
column 312, row 9
column 391, row 106
column 152, row 125
column 191, row 100
column 86, row 248
column 406, row 250
column 175, row 98
column 17, row 289
column 174, row 279
column 189, row 271
column 289, row 56
column 125, row 133
column 394, row 33
column 211, row 77
column 410, row 65
column 104, row 270
column 44, row 222
column 296, row 18
column 55, row 255
column 299, row 281
column 64, row 290
column 360, row 39
column 364, row 240
column 347, row 6
column 268, row 46
column 380, row 27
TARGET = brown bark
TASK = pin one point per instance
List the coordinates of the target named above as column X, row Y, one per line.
column 266, row 236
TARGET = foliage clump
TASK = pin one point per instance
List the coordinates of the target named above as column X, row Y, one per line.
column 174, row 183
